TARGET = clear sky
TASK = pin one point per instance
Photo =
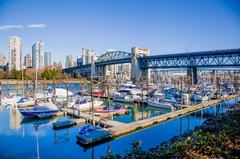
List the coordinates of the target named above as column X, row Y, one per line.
column 163, row 26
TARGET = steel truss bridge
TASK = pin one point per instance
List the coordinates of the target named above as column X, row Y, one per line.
column 217, row 58
column 191, row 60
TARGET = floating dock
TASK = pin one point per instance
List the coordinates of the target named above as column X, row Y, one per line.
column 117, row 129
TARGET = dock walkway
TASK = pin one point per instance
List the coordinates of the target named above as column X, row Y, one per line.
column 107, row 122
column 117, row 129
column 134, row 126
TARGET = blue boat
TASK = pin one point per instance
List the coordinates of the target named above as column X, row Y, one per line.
column 89, row 134
column 62, row 123
column 40, row 111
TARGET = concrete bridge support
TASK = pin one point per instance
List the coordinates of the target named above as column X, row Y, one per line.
column 192, row 73
column 136, row 72
column 100, row 71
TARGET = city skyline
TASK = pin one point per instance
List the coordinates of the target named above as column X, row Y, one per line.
column 163, row 27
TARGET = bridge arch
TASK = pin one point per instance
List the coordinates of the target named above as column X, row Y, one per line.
column 114, row 57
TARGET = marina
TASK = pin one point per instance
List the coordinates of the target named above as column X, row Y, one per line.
column 66, row 138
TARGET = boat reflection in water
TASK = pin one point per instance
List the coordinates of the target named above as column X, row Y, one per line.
column 140, row 112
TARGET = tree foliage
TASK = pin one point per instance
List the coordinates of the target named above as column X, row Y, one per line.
column 49, row 74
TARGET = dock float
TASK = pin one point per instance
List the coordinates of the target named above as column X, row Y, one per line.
column 116, row 129
column 65, row 122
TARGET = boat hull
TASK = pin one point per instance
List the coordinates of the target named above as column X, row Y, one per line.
column 160, row 105
column 38, row 114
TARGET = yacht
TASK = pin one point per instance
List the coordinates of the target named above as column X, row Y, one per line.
column 11, row 99
column 85, row 102
column 161, row 103
column 25, row 102
column 41, row 110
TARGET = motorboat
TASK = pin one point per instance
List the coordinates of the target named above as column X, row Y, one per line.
column 127, row 95
column 25, row 102
column 11, row 99
column 84, row 102
column 97, row 91
column 158, row 100
column 42, row 110
column 160, row 103
column 90, row 134
column 106, row 109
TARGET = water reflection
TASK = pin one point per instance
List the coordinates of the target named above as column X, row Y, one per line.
column 62, row 138
column 63, row 142
column 15, row 118
column 140, row 112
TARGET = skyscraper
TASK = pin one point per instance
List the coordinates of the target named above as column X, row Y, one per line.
column 2, row 59
column 38, row 54
column 15, row 51
column 79, row 61
column 27, row 60
column 70, row 62
column 47, row 58
column 88, row 56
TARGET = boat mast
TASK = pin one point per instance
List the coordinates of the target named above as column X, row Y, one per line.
column 22, row 80
column 35, row 91
column 108, row 97
column 93, row 121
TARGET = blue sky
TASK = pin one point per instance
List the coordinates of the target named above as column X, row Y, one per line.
column 163, row 26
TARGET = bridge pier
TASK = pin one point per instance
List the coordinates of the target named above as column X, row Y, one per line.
column 136, row 72
column 100, row 71
column 192, row 73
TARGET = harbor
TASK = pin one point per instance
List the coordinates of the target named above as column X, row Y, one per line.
column 119, row 79
column 67, row 136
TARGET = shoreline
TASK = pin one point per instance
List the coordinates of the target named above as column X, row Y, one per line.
column 15, row 82
column 217, row 137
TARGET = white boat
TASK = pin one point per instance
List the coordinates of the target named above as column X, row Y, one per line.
column 127, row 95
column 41, row 110
column 11, row 99
column 159, row 103
column 85, row 103
column 25, row 102
column 122, row 98
column 62, row 93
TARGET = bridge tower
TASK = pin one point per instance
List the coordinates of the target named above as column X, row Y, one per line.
column 136, row 72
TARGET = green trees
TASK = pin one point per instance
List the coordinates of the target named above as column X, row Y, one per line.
column 49, row 74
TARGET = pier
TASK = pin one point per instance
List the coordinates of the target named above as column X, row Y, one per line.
column 117, row 129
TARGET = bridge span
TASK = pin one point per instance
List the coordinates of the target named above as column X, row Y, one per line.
column 142, row 62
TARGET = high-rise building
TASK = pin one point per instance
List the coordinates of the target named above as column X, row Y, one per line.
column 47, row 58
column 15, row 51
column 2, row 59
column 27, row 60
column 59, row 64
column 70, row 62
column 38, row 55
column 79, row 61
column 88, row 56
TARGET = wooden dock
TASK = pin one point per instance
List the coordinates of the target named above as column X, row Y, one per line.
column 141, row 124
column 117, row 129
column 98, row 119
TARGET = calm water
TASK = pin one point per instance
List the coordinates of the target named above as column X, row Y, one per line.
column 139, row 112
column 36, row 139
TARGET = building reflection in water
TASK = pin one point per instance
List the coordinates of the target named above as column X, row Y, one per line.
column 15, row 118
